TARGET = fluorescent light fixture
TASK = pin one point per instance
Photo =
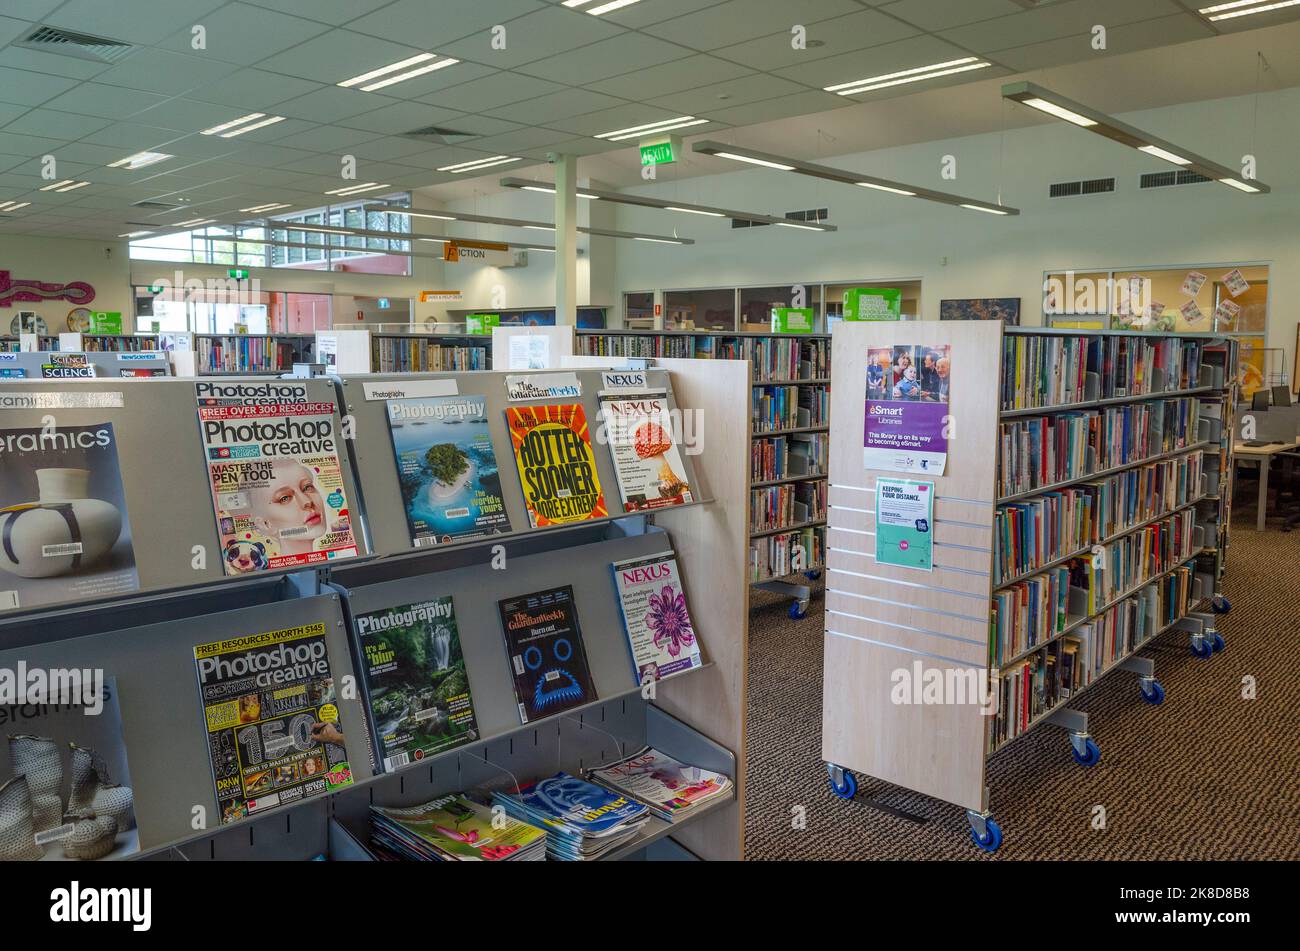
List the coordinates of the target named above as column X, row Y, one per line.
column 261, row 209
column 650, row 128
column 602, row 8
column 1042, row 105
column 551, row 191
column 269, row 120
column 986, row 209
column 403, row 77
column 386, row 70
column 1232, row 10
column 753, row 156
column 1164, row 154
column 357, row 189
column 643, row 201
column 13, row 205
column 791, row 224
column 656, row 240
column 194, row 222
column 228, row 130
column 539, row 227
column 532, row 248
column 477, row 164
column 67, row 185
column 140, row 160
column 919, row 74
column 232, row 123
column 135, row 234
column 888, row 188
column 1099, row 123
column 694, row 211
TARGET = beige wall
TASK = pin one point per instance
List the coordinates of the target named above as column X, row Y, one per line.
column 102, row 265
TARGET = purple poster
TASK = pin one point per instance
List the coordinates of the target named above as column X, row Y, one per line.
column 907, row 409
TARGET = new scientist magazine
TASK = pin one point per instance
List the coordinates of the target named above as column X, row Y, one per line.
column 64, row 532
column 417, row 690
column 447, row 468
column 277, row 480
column 274, row 735
column 557, row 468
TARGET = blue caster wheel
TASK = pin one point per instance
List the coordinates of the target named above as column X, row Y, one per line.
column 798, row 611
column 1155, row 694
column 1217, row 642
column 813, row 575
column 1091, row 754
column 846, row 789
column 1221, row 605
column 1202, row 648
column 992, row 838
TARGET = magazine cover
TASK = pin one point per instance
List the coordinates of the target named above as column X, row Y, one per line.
column 570, row 803
column 547, row 658
column 655, row 619
column 63, row 519
column 557, row 468
column 277, row 481
column 454, row 828
column 447, row 468
column 65, row 789
column 649, row 468
column 662, row 782
column 274, row 735
column 416, row 686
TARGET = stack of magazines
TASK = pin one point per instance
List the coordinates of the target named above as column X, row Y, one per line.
column 584, row 821
column 452, row 829
column 671, row 789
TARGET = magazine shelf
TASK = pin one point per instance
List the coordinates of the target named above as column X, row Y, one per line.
column 883, row 618
column 181, row 600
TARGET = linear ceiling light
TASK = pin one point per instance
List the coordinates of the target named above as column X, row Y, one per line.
column 272, row 206
column 357, row 189
column 398, row 72
column 13, row 205
column 919, row 74
column 1227, row 11
column 135, row 234
column 477, row 164
column 1102, row 124
column 517, row 222
column 194, row 222
column 723, row 150
column 254, row 120
column 601, row 8
column 140, row 160
column 551, row 191
column 67, row 185
column 642, row 201
column 650, row 128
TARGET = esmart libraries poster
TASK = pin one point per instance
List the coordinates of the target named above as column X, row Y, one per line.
column 907, row 409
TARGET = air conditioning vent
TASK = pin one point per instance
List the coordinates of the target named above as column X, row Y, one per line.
column 1165, row 179
column 440, row 134
column 155, row 205
column 812, row 214
column 99, row 49
column 1092, row 186
column 746, row 223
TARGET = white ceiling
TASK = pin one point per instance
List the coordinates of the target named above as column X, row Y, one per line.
column 563, row 76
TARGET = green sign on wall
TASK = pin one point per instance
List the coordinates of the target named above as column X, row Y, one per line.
column 873, row 303
column 106, row 322
column 481, row 323
column 792, row 320
column 659, row 153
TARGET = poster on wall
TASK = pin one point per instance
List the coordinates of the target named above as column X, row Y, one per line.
column 907, row 409
column 1236, row 282
column 1193, row 283
column 1005, row 309
column 904, row 523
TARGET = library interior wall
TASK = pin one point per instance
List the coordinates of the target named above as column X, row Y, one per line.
column 101, row 264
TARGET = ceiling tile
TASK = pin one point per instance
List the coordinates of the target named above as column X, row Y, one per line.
column 390, row 147
column 330, row 104
column 903, row 54
column 411, row 22
column 400, row 117
column 254, row 90
column 187, row 115
column 431, row 83
column 9, row 112
column 612, row 57
column 270, row 156
column 1054, row 22
column 944, row 14
column 1149, row 34
column 799, row 104
column 11, row 29
column 109, row 102
column 12, row 143
column 557, row 105
column 90, row 154
column 512, row 143
column 133, row 136
column 857, row 31
column 137, row 21
column 689, row 73
column 30, row 89
column 330, row 138
column 55, row 125
column 30, row 9
column 335, row 12
column 703, row 102
column 67, row 66
column 492, row 91
column 729, row 23
column 239, row 33
column 536, row 36
column 163, row 72
column 339, row 55
column 640, row 15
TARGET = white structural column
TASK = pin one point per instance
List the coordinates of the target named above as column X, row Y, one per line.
column 566, row 239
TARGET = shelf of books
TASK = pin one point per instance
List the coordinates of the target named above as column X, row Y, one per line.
column 10, row 344
column 1005, row 534
column 243, row 354
column 466, row 598
column 416, row 353
column 107, row 343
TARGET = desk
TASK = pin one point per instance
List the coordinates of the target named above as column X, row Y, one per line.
column 1261, row 456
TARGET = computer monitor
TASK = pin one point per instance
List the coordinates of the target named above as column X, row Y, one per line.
column 1259, row 401
column 1281, row 396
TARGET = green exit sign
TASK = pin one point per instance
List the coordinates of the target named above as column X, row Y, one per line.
column 658, row 153
column 238, row 274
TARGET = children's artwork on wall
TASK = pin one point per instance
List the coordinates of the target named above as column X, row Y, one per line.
column 1005, row 309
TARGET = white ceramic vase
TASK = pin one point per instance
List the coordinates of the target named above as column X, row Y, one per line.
column 31, row 536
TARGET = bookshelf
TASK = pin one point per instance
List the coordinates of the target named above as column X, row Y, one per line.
column 144, row 638
column 107, row 343
column 1080, row 517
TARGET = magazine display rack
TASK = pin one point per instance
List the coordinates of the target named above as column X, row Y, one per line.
column 29, row 365
column 146, row 639
column 885, row 622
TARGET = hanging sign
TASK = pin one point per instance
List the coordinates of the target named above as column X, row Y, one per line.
column 481, row 324
column 478, row 252
column 905, row 523
column 427, row 297
column 906, row 427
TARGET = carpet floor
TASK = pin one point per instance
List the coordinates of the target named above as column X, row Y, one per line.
column 1205, row 775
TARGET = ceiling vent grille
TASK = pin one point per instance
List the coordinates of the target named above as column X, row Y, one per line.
column 1091, row 186
column 99, row 49
column 1165, row 179
column 436, row 133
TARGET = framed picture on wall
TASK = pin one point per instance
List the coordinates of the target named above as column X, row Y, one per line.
column 1005, row 309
